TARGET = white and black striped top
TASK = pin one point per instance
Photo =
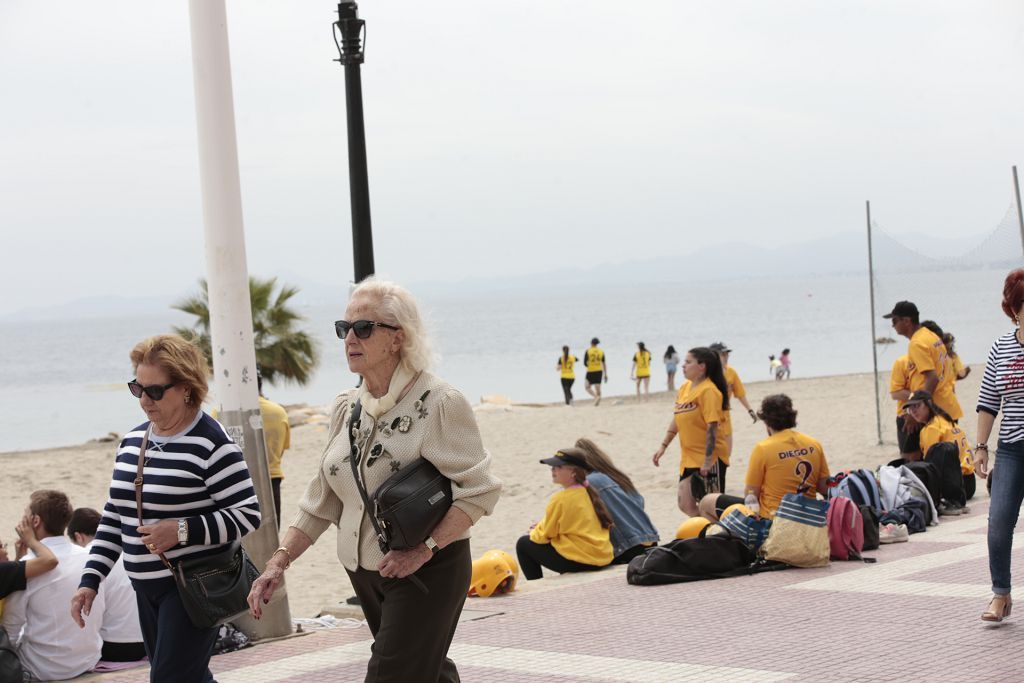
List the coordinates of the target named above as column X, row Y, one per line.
column 1002, row 386
column 198, row 474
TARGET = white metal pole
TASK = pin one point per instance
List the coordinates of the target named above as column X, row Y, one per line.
column 234, row 356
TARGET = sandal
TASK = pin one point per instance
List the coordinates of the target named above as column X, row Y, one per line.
column 998, row 608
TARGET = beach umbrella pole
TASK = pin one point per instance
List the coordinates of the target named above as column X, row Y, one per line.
column 231, row 332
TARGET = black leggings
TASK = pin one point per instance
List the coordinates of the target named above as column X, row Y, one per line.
column 567, row 389
column 532, row 556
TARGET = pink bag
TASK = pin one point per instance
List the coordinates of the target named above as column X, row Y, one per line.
column 845, row 529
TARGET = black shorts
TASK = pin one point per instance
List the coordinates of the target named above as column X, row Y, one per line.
column 724, row 501
column 722, row 467
column 595, row 377
column 909, row 443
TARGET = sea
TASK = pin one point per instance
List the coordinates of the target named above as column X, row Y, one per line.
column 63, row 382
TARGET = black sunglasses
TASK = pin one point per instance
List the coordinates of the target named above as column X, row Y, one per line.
column 154, row 391
column 362, row 328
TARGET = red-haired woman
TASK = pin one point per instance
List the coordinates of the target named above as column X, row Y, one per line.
column 1002, row 389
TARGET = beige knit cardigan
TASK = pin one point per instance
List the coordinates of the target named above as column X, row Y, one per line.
column 433, row 420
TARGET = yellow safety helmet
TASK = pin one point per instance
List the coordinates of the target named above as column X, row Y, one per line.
column 743, row 510
column 494, row 573
column 691, row 528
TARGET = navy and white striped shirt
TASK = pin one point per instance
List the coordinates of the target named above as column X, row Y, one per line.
column 198, row 474
column 1002, row 386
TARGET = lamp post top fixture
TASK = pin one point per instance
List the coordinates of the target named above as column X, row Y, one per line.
column 349, row 33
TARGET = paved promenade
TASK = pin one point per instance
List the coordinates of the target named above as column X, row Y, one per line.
column 913, row 616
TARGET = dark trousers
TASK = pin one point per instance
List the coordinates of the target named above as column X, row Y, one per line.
column 532, row 556
column 122, row 652
column 970, row 485
column 412, row 631
column 178, row 651
column 951, row 480
column 629, row 554
column 567, row 389
column 275, row 487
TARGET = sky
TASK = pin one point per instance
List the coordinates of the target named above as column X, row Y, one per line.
column 504, row 139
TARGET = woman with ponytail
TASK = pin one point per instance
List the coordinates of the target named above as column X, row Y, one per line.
column 567, row 372
column 573, row 536
column 699, row 410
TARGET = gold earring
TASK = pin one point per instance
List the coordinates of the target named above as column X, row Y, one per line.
column 188, row 399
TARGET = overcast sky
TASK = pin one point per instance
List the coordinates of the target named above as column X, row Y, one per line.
column 503, row 138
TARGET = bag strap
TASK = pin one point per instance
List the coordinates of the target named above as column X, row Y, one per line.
column 354, row 457
column 138, row 488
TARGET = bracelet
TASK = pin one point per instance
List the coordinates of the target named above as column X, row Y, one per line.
column 284, row 550
column 981, row 447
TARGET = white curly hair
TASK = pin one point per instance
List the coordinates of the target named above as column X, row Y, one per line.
column 397, row 306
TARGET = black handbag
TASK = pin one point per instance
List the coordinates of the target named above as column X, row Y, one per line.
column 10, row 666
column 213, row 588
column 409, row 504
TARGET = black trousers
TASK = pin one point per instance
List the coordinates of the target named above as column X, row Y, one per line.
column 178, row 651
column 951, row 480
column 412, row 631
column 970, row 486
column 122, row 652
column 567, row 389
column 275, row 487
column 532, row 556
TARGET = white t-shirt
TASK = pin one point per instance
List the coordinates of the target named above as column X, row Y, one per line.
column 121, row 616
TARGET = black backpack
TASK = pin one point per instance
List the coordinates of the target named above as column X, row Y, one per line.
column 870, row 516
column 708, row 557
column 10, row 665
column 928, row 473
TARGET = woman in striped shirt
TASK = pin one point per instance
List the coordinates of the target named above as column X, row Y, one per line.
column 1002, row 388
column 197, row 497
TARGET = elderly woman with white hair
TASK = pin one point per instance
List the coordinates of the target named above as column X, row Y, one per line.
column 406, row 413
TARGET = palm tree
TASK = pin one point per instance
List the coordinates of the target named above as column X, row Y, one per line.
column 282, row 352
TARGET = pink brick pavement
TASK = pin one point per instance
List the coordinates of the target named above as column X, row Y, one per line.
column 759, row 622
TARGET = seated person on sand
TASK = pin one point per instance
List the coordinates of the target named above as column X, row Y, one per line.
column 573, row 536
column 121, row 633
column 955, row 465
column 14, row 573
column 631, row 532
column 50, row 645
column 786, row 462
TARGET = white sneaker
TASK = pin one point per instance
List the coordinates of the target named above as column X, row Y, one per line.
column 893, row 533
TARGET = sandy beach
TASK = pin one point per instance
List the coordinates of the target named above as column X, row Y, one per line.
column 837, row 410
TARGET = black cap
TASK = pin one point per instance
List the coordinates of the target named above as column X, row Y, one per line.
column 566, row 457
column 595, row 340
column 903, row 309
column 919, row 396
column 720, row 347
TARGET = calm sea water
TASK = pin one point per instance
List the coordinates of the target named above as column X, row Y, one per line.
column 62, row 382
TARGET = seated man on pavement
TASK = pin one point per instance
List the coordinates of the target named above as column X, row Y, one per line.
column 14, row 573
column 50, row 645
column 121, row 633
column 786, row 462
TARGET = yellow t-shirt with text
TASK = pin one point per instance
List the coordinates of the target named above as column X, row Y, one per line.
column 785, row 462
column 566, row 365
column 571, row 526
column 643, row 363
column 941, row 430
column 594, row 358
column 899, row 379
column 696, row 408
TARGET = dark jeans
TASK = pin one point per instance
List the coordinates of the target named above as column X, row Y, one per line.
column 275, row 486
column 635, row 551
column 1003, row 511
column 412, row 631
column 567, row 389
column 532, row 556
column 178, row 651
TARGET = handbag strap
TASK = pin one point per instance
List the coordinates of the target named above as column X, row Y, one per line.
column 138, row 488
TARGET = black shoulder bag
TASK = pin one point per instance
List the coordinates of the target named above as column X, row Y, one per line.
column 213, row 588
column 409, row 504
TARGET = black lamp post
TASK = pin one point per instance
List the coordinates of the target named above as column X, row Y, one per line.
column 349, row 33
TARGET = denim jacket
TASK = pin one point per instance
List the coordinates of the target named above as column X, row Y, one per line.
column 632, row 525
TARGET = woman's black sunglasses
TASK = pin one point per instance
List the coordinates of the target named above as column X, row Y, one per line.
column 154, row 391
column 362, row 328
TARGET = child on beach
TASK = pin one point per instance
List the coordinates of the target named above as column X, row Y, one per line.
column 774, row 366
column 573, row 536
column 784, row 370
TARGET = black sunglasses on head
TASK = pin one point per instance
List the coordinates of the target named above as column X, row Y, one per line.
column 362, row 328
column 154, row 391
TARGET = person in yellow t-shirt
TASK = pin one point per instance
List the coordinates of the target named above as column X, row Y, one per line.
column 573, row 536
column 567, row 371
column 597, row 371
column 786, row 462
column 700, row 405
column 737, row 391
column 960, row 370
column 899, row 390
column 945, row 392
column 955, row 465
column 641, row 371
column 924, row 366
column 278, row 434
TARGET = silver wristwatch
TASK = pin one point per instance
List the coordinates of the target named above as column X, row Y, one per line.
column 182, row 531
column 432, row 544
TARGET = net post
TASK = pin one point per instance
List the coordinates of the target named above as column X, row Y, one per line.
column 1020, row 216
column 874, row 337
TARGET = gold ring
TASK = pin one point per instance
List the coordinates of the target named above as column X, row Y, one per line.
column 152, row 546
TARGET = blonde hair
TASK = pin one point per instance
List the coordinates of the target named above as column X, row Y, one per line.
column 397, row 306
column 180, row 359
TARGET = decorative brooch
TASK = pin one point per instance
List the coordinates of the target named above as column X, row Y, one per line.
column 420, row 405
column 395, row 465
column 404, row 423
column 334, row 470
column 375, row 453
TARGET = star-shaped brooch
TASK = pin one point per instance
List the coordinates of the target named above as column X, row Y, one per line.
column 395, row 465
column 334, row 470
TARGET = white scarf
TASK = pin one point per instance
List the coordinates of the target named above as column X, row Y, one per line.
column 375, row 407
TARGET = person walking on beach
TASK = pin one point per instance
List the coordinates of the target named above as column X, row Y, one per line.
column 924, row 365
column 197, row 499
column 566, row 368
column 406, row 413
column 736, row 390
column 641, row 371
column 671, row 359
column 1002, row 390
column 597, row 371
column 785, row 363
column 774, row 367
column 698, row 412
